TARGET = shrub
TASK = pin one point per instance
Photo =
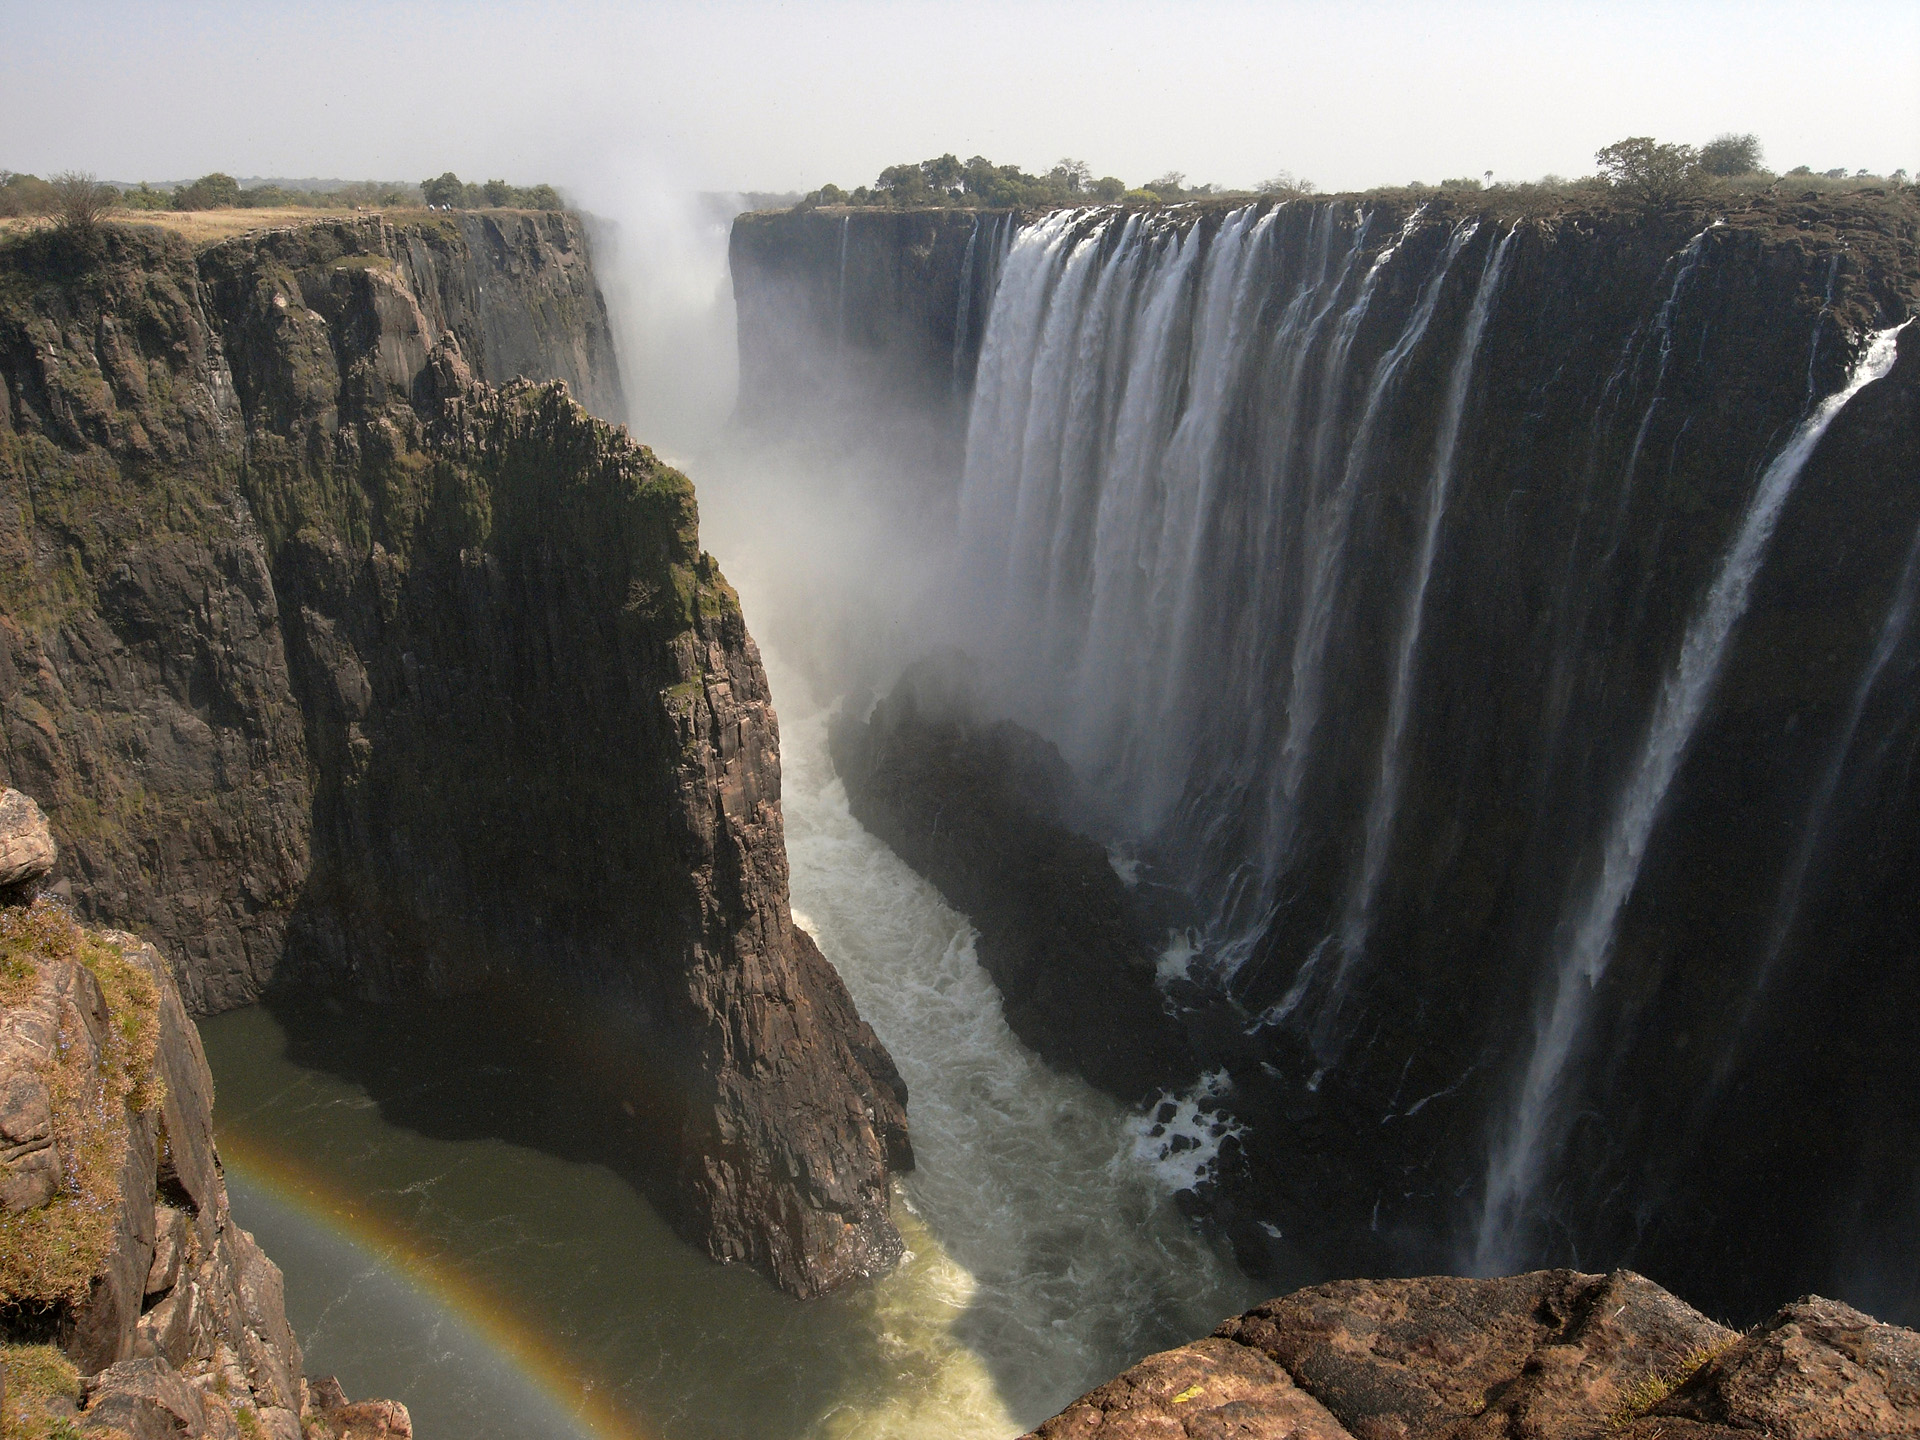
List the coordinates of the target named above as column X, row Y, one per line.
column 81, row 202
column 1286, row 185
column 144, row 197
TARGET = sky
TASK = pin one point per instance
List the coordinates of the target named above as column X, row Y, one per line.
column 770, row 96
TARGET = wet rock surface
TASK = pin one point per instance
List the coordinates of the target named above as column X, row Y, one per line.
column 981, row 810
column 1393, row 890
column 1552, row 1355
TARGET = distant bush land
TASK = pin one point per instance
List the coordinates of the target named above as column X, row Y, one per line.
column 449, row 192
column 30, row 195
column 1645, row 172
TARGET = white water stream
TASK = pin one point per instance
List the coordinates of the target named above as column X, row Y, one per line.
column 1586, row 944
column 1047, row 1250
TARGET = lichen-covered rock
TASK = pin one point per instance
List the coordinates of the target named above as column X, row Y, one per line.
column 26, row 843
column 132, row 1262
column 1552, row 1355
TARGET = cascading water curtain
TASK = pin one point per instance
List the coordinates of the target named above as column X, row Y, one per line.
column 1173, row 423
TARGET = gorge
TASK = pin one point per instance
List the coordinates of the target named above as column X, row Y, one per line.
column 1493, row 622
column 1355, row 736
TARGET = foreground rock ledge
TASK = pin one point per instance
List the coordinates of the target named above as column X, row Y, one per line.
column 1552, row 1355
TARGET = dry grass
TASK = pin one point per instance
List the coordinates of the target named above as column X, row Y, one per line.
column 200, row 228
column 1661, row 1383
column 42, row 1386
column 51, row 1254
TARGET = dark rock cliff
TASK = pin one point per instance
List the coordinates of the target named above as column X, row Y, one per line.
column 336, row 665
column 1636, row 376
column 860, row 328
column 984, row 811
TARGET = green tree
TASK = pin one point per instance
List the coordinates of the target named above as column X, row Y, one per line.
column 498, row 192
column 944, row 173
column 210, row 192
column 24, row 194
column 1073, row 176
column 144, row 197
column 1653, row 174
column 447, row 191
column 1731, row 154
column 1109, row 188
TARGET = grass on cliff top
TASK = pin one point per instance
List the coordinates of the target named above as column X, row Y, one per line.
column 42, row 1388
column 208, row 227
column 50, row 1255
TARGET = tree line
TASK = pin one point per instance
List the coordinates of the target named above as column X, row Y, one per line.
column 979, row 183
column 74, row 193
column 1641, row 170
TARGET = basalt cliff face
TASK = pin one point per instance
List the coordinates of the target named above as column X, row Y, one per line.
column 1498, row 625
column 337, row 665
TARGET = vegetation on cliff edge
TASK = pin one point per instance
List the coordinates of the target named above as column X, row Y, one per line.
column 51, row 1254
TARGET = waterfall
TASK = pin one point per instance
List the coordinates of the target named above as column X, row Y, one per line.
column 1689, row 261
column 1326, row 541
column 1159, row 399
column 1357, row 918
column 1786, row 910
column 840, row 294
column 1581, row 957
column 963, row 313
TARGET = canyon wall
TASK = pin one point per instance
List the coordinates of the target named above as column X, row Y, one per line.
column 117, row 1243
column 336, row 665
column 1497, row 622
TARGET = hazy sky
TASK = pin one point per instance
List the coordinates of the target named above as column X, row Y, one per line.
column 788, row 96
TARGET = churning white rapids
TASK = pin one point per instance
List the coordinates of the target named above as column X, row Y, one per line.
column 1047, row 1252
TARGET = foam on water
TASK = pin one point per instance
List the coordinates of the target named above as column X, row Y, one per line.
column 1047, row 1254
column 1178, row 1138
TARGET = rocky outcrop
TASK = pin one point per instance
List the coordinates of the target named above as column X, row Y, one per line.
column 117, row 1241
column 1553, row 1355
column 364, row 673
column 144, row 683
column 982, row 810
column 26, row 843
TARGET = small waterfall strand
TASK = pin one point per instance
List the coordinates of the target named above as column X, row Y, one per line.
column 1580, row 958
column 1357, row 917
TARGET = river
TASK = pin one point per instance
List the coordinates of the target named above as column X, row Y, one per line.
column 522, row 1289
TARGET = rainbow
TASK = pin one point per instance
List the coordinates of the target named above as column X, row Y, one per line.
column 532, row 1354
